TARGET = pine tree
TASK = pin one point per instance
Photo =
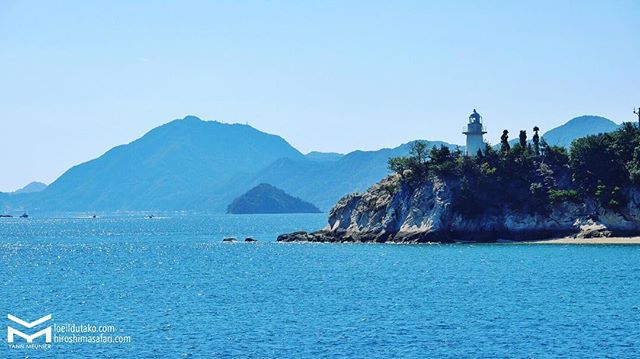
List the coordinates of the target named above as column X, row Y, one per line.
column 523, row 139
column 504, row 142
column 536, row 140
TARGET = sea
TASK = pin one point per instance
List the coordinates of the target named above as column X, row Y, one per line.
column 130, row 286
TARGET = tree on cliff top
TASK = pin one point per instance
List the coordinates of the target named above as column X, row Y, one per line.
column 604, row 164
column 415, row 165
column 504, row 142
column 523, row 138
column 420, row 163
column 598, row 166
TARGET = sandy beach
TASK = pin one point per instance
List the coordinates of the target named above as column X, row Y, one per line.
column 603, row 240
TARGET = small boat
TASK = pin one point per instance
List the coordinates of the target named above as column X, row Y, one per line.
column 6, row 216
column 24, row 215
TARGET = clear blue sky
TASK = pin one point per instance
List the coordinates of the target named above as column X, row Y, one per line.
column 79, row 77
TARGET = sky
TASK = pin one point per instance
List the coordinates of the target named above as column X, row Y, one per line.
column 80, row 77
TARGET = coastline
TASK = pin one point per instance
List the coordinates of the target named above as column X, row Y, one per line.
column 597, row 240
column 323, row 236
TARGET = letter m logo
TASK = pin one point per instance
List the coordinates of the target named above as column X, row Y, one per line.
column 29, row 338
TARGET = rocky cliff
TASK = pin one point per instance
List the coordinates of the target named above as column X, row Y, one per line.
column 395, row 210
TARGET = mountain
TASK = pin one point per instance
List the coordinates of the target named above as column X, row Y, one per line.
column 184, row 164
column 323, row 183
column 265, row 198
column 32, row 187
column 324, row 156
column 578, row 127
column 190, row 164
column 4, row 199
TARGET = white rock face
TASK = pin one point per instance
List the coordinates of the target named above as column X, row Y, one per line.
column 394, row 210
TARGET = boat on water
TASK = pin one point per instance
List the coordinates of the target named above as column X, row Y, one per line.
column 6, row 216
column 24, row 215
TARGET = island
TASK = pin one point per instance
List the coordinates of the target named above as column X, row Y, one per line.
column 528, row 191
column 265, row 198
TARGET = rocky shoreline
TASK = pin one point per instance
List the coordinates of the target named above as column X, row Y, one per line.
column 327, row 236
column 394, row 211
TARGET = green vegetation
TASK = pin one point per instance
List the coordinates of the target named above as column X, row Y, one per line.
column 602, row 165
column 559, row 196
column 532, row 177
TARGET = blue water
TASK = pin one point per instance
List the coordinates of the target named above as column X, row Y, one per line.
column 177, row 291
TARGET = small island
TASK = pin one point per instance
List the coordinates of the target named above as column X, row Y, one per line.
column 526, row 191
column 266, row 198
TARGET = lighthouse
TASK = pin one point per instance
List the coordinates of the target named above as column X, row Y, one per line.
column 475, row 132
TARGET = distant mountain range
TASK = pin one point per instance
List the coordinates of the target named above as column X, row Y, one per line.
column 32, row 187
column 324, row 156
column 578, row 127
column 184, row 164
column 190, row 164
column 323, row 183
column 265, row 198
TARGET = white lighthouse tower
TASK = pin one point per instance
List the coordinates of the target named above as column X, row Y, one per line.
column 475, row 132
